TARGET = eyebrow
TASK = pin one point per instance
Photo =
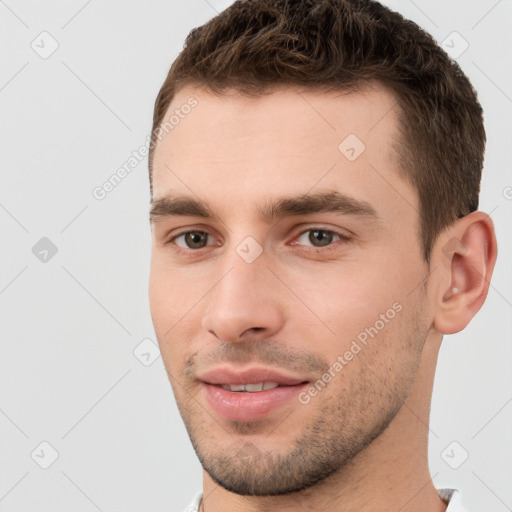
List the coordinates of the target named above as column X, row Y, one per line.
column 280, row 207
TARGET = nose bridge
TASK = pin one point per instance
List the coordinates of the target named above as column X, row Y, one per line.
column 243, row 300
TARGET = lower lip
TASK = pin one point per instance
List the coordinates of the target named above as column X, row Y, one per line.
column 247, row 406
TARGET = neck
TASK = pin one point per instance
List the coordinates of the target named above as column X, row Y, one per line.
column 391, row 474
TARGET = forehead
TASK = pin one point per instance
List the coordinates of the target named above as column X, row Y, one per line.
column 313, row 117
column 285, row 141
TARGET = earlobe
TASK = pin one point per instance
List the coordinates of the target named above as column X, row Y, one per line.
column 466, row 255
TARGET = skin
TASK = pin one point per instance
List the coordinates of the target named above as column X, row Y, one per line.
column 361, row 442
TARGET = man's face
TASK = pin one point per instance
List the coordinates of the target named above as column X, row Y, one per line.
column 326, row 303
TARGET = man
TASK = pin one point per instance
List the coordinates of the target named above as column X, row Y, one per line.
column 315, row 172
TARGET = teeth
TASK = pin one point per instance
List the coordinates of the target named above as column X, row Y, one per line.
column 236, row 387
column 254, row 387
column 251, row 388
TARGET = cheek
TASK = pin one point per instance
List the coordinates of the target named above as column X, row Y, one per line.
column 175, row 300
column 373, row 316
column 172, row 292
column 348, row 298
column 165, row 306
column 378, row 362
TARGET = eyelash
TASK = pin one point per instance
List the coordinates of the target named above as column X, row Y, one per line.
column 342, row 238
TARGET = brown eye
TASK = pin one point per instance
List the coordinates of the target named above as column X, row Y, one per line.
column 321, row 236
column 191, row 239
column 318, row 237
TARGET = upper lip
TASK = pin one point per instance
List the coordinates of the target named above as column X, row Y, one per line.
column 254, row 375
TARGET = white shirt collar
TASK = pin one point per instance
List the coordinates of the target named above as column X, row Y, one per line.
column 450, row 496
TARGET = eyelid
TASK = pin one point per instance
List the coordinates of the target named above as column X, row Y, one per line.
column 171, row 239
column 344, row 235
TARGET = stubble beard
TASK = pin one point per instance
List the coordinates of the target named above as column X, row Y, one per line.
column 341, row 424
column 323, row 448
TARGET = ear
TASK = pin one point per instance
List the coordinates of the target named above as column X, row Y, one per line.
column 465, row 254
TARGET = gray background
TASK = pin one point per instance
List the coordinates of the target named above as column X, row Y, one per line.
column 71, row 321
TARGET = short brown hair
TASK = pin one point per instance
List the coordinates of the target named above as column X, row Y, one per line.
column 254, row 45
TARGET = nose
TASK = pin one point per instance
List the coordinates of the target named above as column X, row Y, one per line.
column 245, row 303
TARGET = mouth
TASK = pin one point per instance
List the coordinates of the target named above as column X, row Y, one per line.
column 250, row 388
column 249, row 395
